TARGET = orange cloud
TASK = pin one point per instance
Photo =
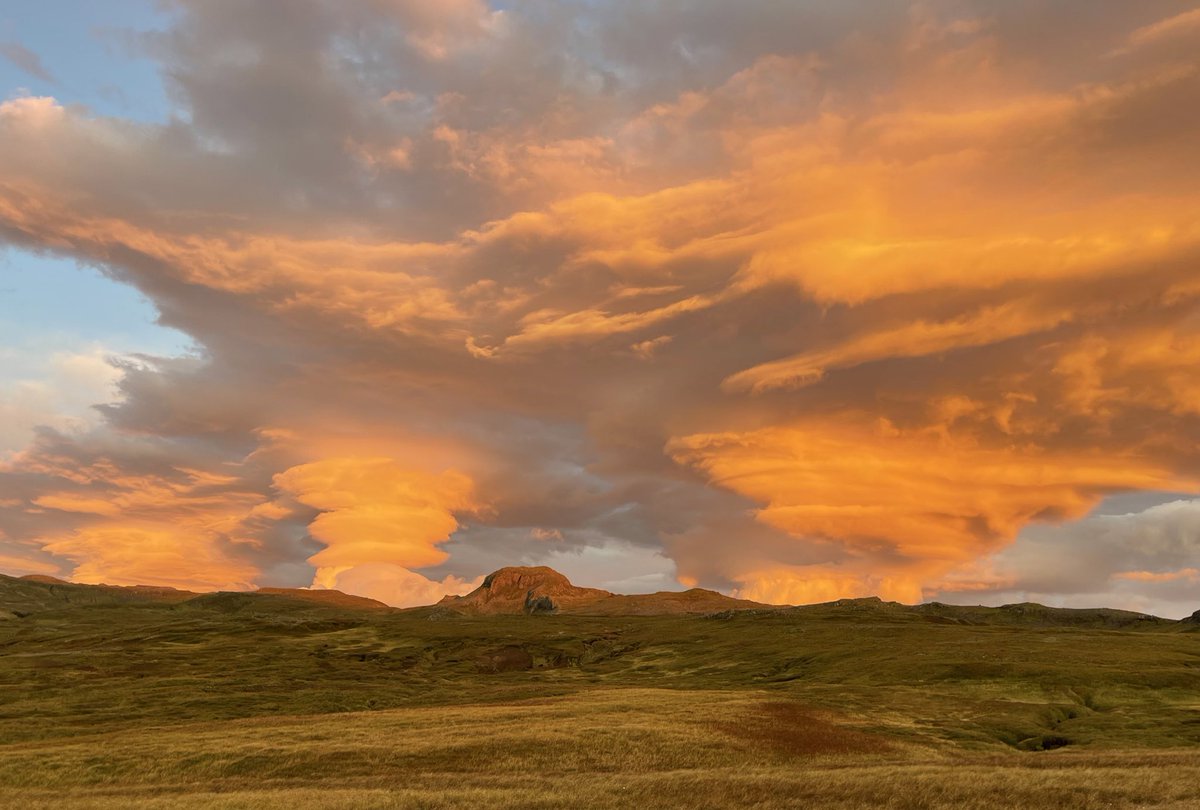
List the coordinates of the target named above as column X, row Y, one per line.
column 374, row 511
column 163, row 555
column 17, row 565
column 1188, row 22
column 1192, row 574
column 812, row 584
column 913, row 339
column 906, row 508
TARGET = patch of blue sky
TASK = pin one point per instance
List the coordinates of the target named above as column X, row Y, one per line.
column 84, row 52
column 61, row 324
column 50, row 304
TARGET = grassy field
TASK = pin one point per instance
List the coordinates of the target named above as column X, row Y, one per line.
column 263, row 702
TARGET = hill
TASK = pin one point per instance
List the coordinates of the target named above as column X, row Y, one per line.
column 21, row 596
column 1025, row 614
column 326, row 597
column 530, row 590
column 542, row 590
column 25, row 596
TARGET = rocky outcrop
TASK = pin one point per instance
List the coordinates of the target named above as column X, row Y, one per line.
column 520, row 589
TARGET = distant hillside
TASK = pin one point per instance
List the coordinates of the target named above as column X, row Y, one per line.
column 326, row 597
column 23, row 596
column 1025, row 614
column 540, row 590
column 20, row 596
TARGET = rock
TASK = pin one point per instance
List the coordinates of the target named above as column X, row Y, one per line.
column 539, row 604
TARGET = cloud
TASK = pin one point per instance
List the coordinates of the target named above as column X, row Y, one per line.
column 918, row 502
column 131, row 556
column 792, row 302
column 1140, row 560
column 57, row 391
column 1189, row 574
column 26, row 60
column 617, row 567
column 395, row 585
column 914, row 339
column 372, row 510
column 1185, row 23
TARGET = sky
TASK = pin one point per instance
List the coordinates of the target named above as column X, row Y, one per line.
column 795, row 301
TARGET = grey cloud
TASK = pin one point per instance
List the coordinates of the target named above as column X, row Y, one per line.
column 26, row 60
column 1080, row 564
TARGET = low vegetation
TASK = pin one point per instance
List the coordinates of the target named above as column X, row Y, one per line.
column 264, row 701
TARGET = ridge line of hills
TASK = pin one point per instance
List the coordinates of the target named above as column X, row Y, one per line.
column 543, row 591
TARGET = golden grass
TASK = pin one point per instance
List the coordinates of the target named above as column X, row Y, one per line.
column 606, row 748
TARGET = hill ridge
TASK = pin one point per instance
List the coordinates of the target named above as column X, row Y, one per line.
column 541, row 590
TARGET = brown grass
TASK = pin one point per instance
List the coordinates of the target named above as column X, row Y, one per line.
column 795, row 730
column 612, row 748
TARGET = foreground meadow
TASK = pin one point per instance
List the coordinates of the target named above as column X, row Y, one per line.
column 238, row 702
column 601, row 748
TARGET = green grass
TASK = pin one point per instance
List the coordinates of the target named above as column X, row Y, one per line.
column 265, row 702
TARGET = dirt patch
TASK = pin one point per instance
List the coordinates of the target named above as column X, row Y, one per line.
column 795, row 730
column 505, row 659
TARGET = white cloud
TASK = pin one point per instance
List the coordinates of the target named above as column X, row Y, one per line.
column 615, row 566
column 1143, row 560
column 58, row 391
column 397, row 586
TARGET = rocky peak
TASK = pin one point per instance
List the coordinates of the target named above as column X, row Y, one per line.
column 521, row 578
column 525, row 589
